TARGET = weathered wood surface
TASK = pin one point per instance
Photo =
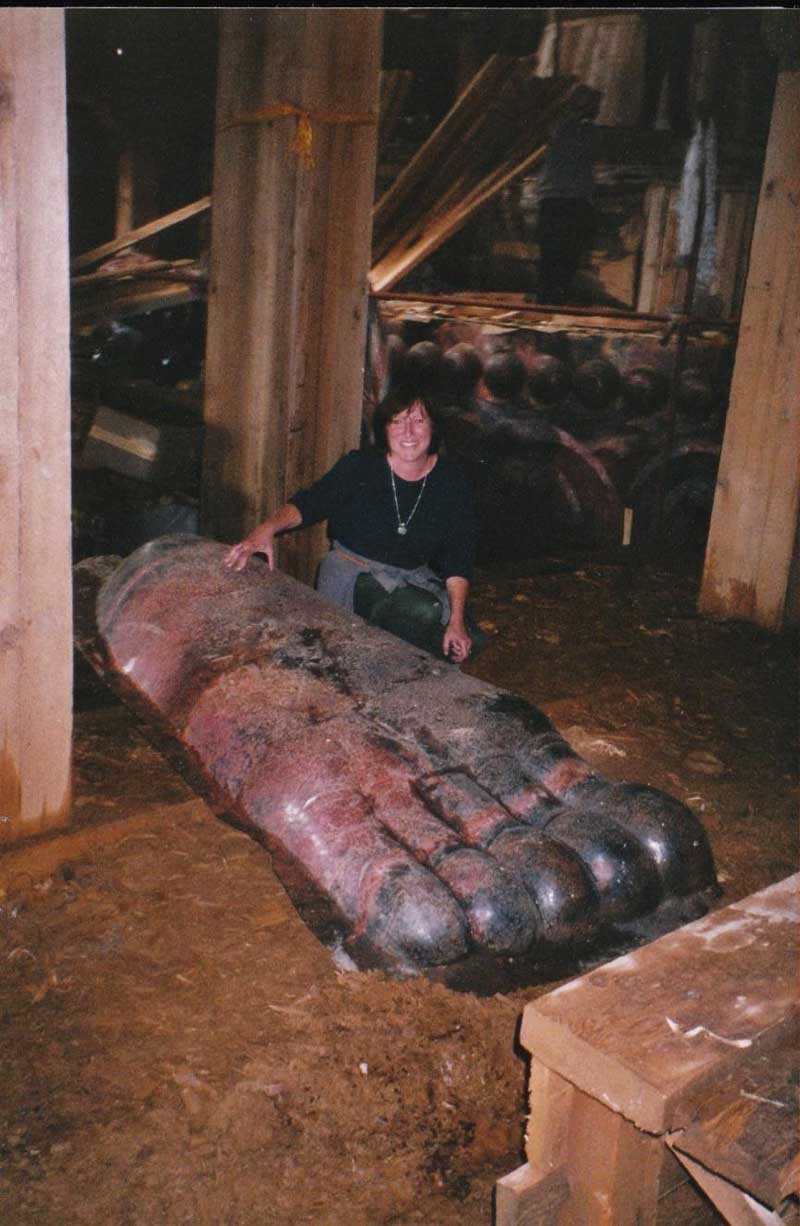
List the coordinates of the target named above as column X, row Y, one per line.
column 649, row 1033
column 659, row 279
column 35, row 554
column 612, row 1168
column 738, row 1208
column 753, row 1140
column 589, row 1166
column 525, row 1198
column 289, row 261
column 696, row 1032
column 428, row 821
column 754, row 521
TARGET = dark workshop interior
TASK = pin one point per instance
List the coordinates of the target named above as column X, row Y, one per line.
column 246, row 273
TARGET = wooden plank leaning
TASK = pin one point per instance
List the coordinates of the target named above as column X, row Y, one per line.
column 140, row 234
column 458, row 203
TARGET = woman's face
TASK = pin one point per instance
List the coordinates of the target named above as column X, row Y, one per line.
column 409, row 433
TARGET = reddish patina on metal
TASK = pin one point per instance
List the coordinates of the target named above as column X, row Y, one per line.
column 420, row 819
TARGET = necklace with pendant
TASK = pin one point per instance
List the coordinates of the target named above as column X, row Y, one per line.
column 402, row 524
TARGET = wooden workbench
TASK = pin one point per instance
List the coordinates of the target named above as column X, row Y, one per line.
column 684, row 1046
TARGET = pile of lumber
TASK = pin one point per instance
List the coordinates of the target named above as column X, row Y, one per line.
column 143, row 286
column 497, row 130
column 127, row 281
column 131, row 282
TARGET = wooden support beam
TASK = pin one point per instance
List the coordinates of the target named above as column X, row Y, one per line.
column 289, row 260
column 639, row 1061
column 35, row 548
column 754, row 521
column 517, row 311
column 106, row 294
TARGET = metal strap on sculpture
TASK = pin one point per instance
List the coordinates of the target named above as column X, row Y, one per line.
column 421, row 820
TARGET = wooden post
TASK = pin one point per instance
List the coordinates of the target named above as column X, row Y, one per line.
column 136, row 190
column 35, row 546
column 125, row 189
column 290, row 252
column 754, row 520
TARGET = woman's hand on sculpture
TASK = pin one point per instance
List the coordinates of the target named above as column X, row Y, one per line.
column 260, row 541
column 262, row 538
column 457, row 643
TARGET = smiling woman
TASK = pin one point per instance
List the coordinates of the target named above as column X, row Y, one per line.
column 402, row 522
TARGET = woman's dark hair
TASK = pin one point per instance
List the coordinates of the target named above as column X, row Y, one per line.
column 391, row 406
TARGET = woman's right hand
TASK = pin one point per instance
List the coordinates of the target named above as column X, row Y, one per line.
column 260, row 541
column 262, row 538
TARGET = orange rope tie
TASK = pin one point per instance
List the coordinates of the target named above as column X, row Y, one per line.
column 302, row 145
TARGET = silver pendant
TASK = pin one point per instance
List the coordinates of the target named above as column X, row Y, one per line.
column 401, row 529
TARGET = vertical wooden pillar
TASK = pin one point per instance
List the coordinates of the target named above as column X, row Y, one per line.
column 136, row 191
column 124, row 222
column 754, row 520
column 35, row 545
column 290, row 254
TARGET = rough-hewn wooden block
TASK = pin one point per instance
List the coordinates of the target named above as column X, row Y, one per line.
column 647, row 1032
column 525, row 1198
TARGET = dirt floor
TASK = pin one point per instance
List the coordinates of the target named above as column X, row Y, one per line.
column 179, row 1048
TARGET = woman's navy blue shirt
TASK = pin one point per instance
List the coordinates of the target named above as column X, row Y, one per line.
column 355, row 496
